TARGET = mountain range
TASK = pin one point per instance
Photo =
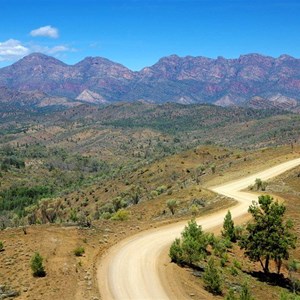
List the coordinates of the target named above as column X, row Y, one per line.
column 251, row 80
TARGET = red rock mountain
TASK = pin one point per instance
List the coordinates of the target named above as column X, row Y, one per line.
column 251, row 80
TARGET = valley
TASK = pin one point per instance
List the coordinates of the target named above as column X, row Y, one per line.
column 91, row 172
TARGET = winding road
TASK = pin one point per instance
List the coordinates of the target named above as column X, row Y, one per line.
column 130, row 270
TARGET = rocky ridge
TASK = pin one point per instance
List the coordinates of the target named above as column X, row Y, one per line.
column 251, row 80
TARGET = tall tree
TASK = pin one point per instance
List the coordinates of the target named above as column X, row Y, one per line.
column 269, row 237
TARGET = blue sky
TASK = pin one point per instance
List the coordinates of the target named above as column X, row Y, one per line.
column 137, row 33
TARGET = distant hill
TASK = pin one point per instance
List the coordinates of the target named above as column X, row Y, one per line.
column 251, row 80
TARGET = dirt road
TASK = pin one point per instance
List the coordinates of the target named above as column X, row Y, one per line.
column 130, row 269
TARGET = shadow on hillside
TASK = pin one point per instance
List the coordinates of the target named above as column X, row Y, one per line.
column 273, row 279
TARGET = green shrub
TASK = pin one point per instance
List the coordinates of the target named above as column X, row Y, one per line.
column 245, row 293
column 289, row 296
column 175, row 252
column 153, row 194
column 79, row 251
column 119, row 203
column 224, row 260
column 234, row 271
column 121, row 215
column 36, row 264
column 1, row 246
column 105, row 216
column 194, row 209
column 191, row 248
column 172, row 204
column 237, row 264
column 230, row 295
column 260, row 185
column 219, row 247
column 161, row 189
column 73, row 215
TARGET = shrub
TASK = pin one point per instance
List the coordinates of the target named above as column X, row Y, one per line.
column 79, row 251
column 234, row 271
column 105, row 215
column 1, row 246
column 119, row 203
column 191, row 247
column 176, row 252
column 172, row 205
column 153, row 194
column 258, row 183
column 245, row 293
column 213, row 168
column 194, row 209
column 289, row 296
column 230, row 295
column 37, row 265
column 121, row 215
column 219, row 247
column 223, row 260
column 237, row 264
column 73, row 215
column 161, row 189
column 212, row 278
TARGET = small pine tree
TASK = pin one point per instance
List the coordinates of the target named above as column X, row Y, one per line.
column 37, row 265
column 192, row 247
column 176, row 252
column 228, row 228
column 194, row 242
column 212, row 278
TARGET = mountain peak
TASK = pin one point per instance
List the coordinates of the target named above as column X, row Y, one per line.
column 39, row 59
column 94, row 60
column 286, row 57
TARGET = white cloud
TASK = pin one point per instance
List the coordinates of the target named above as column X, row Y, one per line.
column 46, row 31
column 59, row 48
column 51, row 50
column 12, row 49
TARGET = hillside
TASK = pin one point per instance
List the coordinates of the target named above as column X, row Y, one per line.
column 47, row 154
column 99, row 174
column 135, row 132
column 78, row 274
column 251, row 80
